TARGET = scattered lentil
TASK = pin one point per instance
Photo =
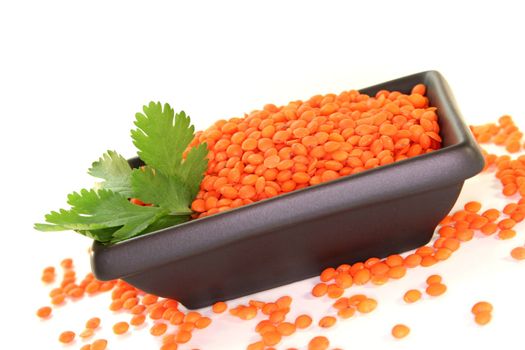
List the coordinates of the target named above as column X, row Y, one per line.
column 400, row 331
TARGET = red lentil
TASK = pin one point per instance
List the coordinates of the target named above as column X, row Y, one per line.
column 341, row 303
column 303, row 321
column 48, row 277
column 346, row 312
column 86, row 333
column 328, row 274
column 256, row 346
column 518, row 253
column 158, row 329
column 286, row 328
column 44, row 312
column 367, row 305
column 58, row 299
column 434, row 279
column 412, row 260
column 355, row 299
column 284, row 302
column 149, row 299
column 182, row 337
column 93, row 323
column 396, row 272
column 506, row 234
column 67, row 263
column 137, row 320
column 436, row 289
column 99, row 344
column 202, row 322
column 483, row 317
column 400, row 331
column 271, row 338
column 481, row 306
column 334, row 291
column 473, row 207
column 327, row 321
column 187, row 326
column 169, row 346
column 120, row 327
column 412, row 295
column 219, row 307
column 319, row 290
column 362, row 276
column 319, row 343
column 277, row 316
column 66, row 337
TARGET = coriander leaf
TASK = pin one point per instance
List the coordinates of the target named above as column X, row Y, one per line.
column 135, row 226
column 161, row 137
column 169, row 181
column 107, row 235
column 115, row 169
column 168, row 192
column 103, row 235
column 49, row 227
column 192, row 169
column 166, row 221
column 94, row 210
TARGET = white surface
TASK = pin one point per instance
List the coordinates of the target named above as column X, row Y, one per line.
column 73, row 74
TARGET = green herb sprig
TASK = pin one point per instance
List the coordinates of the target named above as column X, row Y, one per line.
column 168, row 182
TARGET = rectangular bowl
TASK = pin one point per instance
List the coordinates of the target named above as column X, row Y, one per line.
column 383, row 211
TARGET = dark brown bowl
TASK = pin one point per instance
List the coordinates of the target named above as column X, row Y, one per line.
column 387, row 210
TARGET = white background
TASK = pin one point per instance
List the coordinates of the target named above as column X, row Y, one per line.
column 72, row 75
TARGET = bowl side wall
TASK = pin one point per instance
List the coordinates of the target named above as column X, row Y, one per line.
column 300, row 251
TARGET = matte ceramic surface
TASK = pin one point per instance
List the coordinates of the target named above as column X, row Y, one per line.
column 387, row 210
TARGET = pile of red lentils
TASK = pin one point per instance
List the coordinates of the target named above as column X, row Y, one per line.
column 281, row 149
